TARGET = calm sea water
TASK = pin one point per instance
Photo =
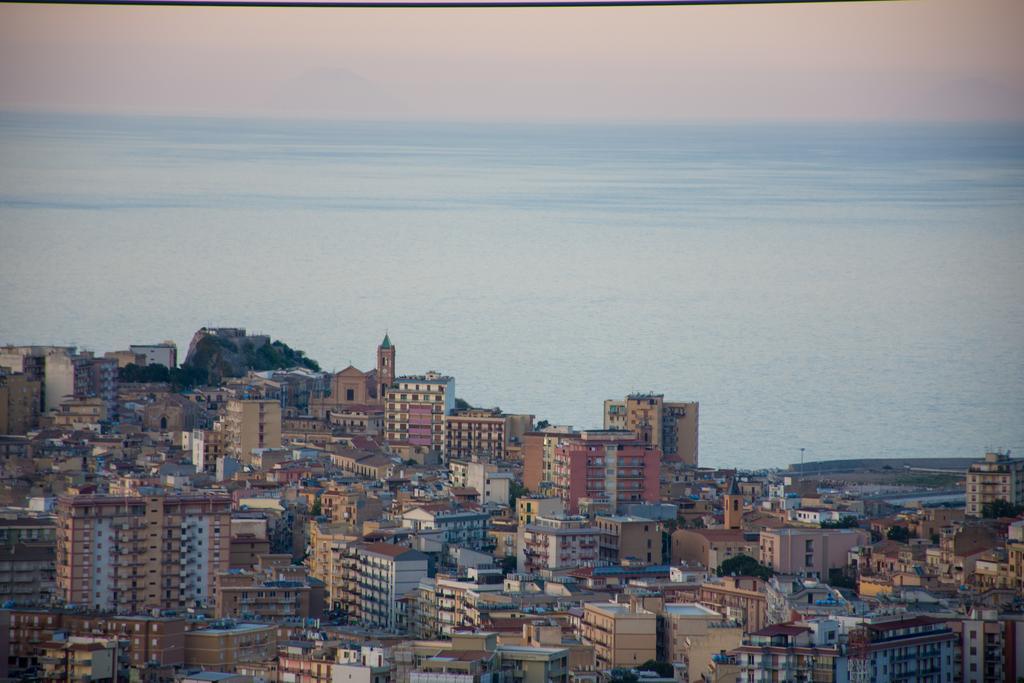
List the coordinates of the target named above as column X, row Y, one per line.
column 854, row 290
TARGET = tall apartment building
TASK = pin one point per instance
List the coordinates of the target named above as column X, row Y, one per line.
column 135, row 554
column 539, row 455
column 997, row 477
column 623, row 635
column 250, row 424
column 669, row 426
column 415, row 410
column 606, row 465
column 557, row 542
column 387, row 572
column 19, row 402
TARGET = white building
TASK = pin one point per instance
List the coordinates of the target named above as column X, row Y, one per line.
column 466, row 528
column 386, row 572
column 165, row 354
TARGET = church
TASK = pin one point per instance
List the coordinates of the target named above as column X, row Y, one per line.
column 353, row 390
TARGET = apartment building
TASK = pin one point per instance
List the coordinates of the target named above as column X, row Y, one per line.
column 273, row 590
column 626, row 536
column 386, row 572
column 623, row 635
column 226, row 645
column 538, row 451
column 668, row 426
column 811, row 552
column 415, row 410
column 991, row 647
column 694, row 633
column 530, row 507
column 80, row 659
column 806, row 651
column 739, row 598
column 466, row 528
column 557, row 542
column 606, row 465
column 19, row 402
column 334, row 561
column 486, row 478
column 996, row 477
column 476, row 431
column 135, row 554
column 249, row 424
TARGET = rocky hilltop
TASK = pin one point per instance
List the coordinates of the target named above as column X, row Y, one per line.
column 230, row 352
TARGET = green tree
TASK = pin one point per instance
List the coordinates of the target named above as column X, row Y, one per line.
column 1000, row 508
column 744, row 565
column 541, row 424
column 515, row 491
column 663, row 669
column 898, row 533
column 462, row 404
column 143, row 373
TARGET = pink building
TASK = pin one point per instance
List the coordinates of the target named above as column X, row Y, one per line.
column 811, row 552
column 606, row 464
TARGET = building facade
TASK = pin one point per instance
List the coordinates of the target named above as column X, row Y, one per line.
column 131, row 555
column 671, row 427
column 997, row 477
column 416, row 408
column 604, row 465
column 250, row 424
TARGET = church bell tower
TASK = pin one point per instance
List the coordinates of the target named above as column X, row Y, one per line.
column 385, row 367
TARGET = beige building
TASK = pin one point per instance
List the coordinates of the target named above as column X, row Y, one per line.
column 693, row 633
column 997, row 477
column 476, row 431
column 415, row 411
column 80, row 659
column 624, row 536
column 669, row 426
column 622, row 635
column 250, row 424
column 711, row 547
column 557, row 542
column 19, row 402
column 274, row 590
column 810, row 552
column 332, row 559
column 529, row 508
column 135, row 554
column 225, row 647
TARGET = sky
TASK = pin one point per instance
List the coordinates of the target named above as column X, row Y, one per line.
column 945, row 60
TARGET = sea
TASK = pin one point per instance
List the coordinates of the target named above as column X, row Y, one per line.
column 853, row 290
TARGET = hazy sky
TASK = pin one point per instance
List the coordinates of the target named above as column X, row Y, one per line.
column 919, row 59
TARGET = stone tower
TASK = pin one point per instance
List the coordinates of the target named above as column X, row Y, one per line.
column 733, row 507
column 385, row 367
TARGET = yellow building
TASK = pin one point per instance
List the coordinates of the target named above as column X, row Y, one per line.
column 250, row 424
column 669, row 426
column 622, row 635
column 997, row 477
